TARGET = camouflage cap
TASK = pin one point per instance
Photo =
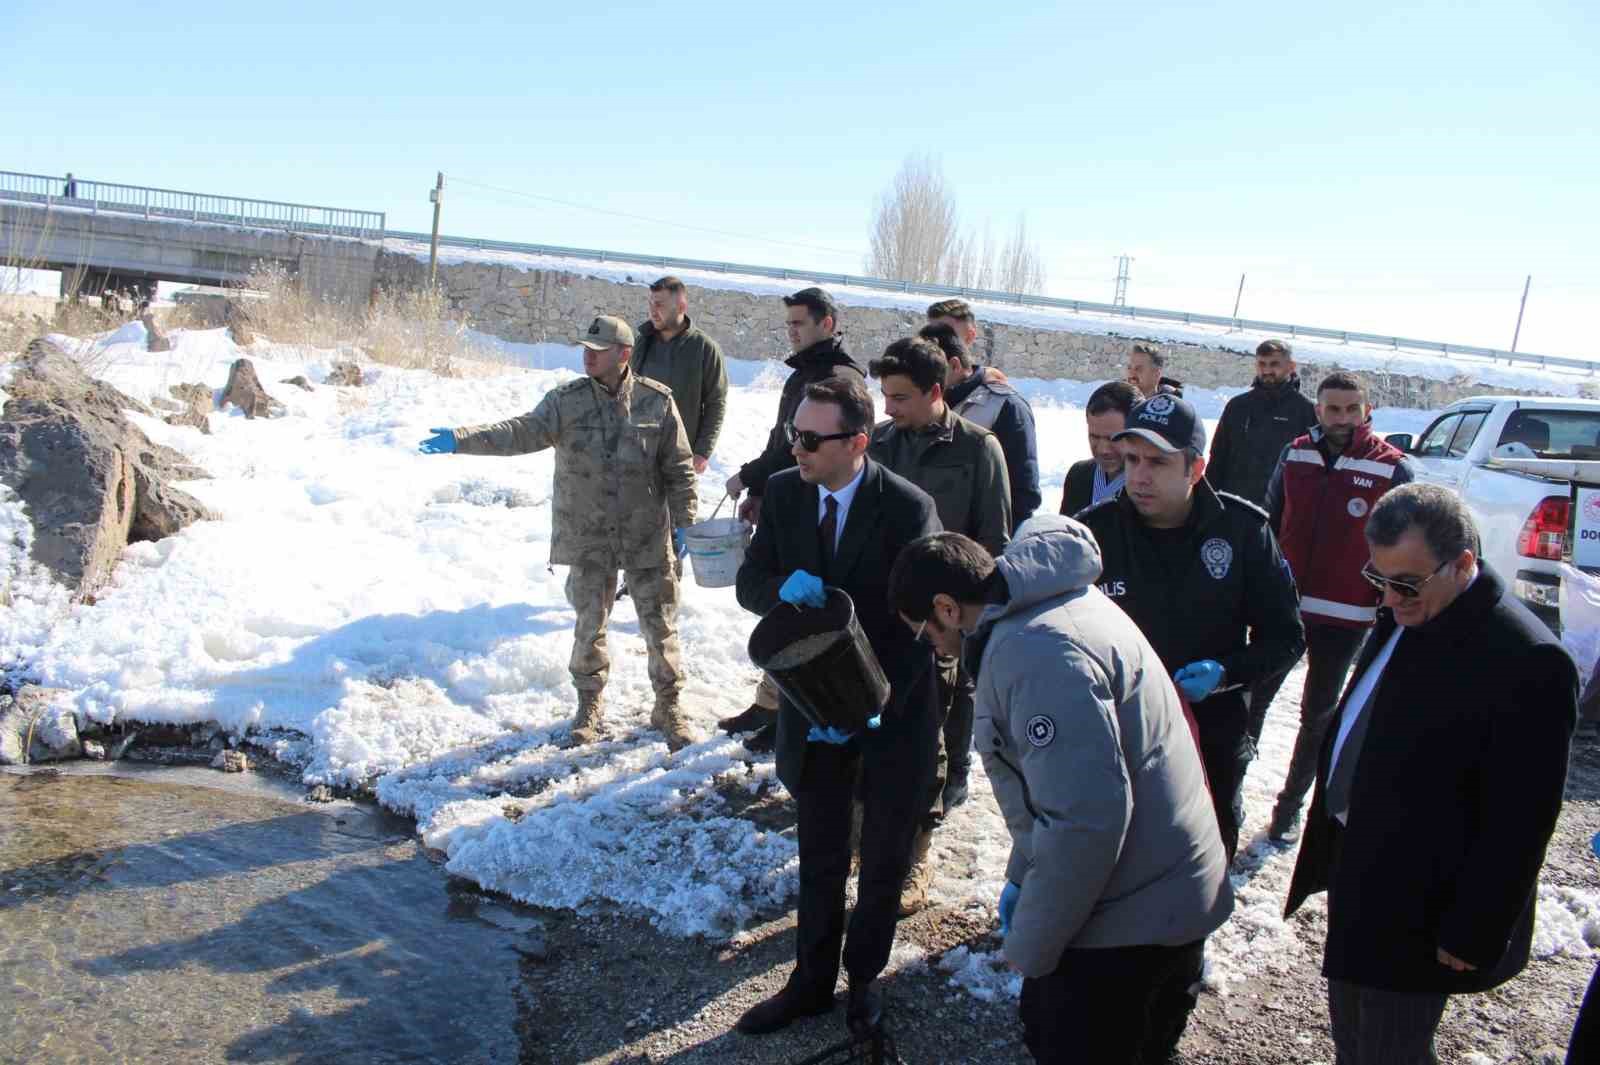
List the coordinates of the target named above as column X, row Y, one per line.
column 607, row 332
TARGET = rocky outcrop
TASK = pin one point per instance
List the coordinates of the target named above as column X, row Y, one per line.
column 194, row 403
column 155, row 338
column 245, row 391
column 35, row 728
column 344, row 373
column 90, row 480
column 237, row 319
column 299, row 381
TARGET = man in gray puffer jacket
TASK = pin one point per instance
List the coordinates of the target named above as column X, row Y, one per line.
column 1117, row 872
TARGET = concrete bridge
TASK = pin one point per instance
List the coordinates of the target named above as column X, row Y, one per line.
column 102, row 236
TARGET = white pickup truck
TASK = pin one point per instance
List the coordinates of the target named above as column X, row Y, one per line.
column 1520, row 465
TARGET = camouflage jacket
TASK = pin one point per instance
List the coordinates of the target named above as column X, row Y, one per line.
column 624, row 474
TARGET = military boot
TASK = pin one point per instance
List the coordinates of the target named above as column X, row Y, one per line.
column 914, row 893
column 666, row 717
column 586, row 724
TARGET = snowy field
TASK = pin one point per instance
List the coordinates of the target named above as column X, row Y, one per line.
column 389, row 620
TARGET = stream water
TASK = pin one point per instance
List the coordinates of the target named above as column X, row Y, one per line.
column 146, row 919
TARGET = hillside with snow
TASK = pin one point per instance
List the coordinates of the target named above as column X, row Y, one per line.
column 387, row 620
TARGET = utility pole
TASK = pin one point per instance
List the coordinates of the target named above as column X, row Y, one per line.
column 1120, row 298
column 1520, row 308
column 436, row 194
column 1237, row 297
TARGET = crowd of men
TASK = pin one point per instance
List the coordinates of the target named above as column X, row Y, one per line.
column 1112, row 664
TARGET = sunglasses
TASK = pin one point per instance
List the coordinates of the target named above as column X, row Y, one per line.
column 1404, row 589
column 808, row 440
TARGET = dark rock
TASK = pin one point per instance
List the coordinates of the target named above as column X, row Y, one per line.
column 155, row 338
column 298, row 381
column 344, row 373
column 237, row 319
column 91, row 481
column 197, row 402
column 245, row 391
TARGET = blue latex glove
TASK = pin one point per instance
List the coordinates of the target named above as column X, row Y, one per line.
column 680, row 544
column 1008, row 905
column 837, row 737
column 802, row 589
column 442, row 442
column 1199, row 679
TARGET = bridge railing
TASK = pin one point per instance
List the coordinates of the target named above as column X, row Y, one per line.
column 1155, row 314
column 111, row 198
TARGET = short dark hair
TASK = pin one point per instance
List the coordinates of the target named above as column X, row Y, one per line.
column 944, row 335
column 1157, row 358
column 815, row 300
column 1344, row 382
column 920, row 360
column 856, row 413
column 1274, row 347
column 667, row 284
column 1113, row 395
column 945, row 563
column 1431, row 509
column 960, row 310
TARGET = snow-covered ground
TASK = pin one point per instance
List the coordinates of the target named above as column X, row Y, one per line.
column 1353, row 356
column 389, row 619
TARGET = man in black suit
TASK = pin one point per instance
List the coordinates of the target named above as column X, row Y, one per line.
column 1438, row 787
column 1100, row 476
column 840, row 518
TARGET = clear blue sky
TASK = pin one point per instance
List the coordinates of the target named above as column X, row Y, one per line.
column 1376, row 166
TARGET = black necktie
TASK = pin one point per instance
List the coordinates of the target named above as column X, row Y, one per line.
column 1337, row 798
column 828, row 530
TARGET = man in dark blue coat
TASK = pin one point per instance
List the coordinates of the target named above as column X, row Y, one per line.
column 839, row 519
column 1438, row 787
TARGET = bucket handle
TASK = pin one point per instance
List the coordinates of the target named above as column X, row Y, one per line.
column 714, row 513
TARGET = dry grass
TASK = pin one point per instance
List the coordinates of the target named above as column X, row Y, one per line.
column 411, row 329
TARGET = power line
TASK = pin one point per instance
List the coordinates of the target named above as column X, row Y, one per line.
column 655, row 221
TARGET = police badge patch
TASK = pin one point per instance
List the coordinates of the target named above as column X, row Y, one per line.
column 1159, row 404
column 1217, row 554
column 1041, row 730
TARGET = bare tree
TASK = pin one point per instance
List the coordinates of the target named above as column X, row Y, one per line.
column 914, row 231
column 916, row 236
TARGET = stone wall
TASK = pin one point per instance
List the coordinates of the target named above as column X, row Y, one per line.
column 548, row 305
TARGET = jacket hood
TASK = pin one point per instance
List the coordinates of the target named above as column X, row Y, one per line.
column 1050, row 557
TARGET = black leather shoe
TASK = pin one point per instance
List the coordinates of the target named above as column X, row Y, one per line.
column 750, row 719
column 864, row 1015
column 782, row 1010
column 763, row 741
column 955, row 791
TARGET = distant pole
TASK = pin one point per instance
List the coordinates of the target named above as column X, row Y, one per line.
column 1119, row 296
column 1521, row 307
column 436, row 194
column 1238, row 296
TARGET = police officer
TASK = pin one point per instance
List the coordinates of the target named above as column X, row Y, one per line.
column 1201, row 575
column 619, row 447
column 962, row 467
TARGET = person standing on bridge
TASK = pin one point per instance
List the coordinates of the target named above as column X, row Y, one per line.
column 673, row 351
column 620, row 447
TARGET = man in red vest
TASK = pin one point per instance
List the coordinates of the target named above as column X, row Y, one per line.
column 1318, row 500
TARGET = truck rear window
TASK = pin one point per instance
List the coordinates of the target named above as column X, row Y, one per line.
column 1555, row 433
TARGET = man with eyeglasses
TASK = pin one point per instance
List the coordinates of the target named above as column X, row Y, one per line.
column 1438, row 787
column 1326, row 484
column 1200, row 574
column 840, row 519
column 962, row 467
column 811, row 319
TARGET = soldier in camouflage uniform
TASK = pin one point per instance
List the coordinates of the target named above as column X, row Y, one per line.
column 623, row 469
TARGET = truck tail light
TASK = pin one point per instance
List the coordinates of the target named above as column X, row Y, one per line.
column 1544, row 534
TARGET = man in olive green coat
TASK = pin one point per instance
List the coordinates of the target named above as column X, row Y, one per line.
column 623, row 483
column 963, row 468
column 671, row 350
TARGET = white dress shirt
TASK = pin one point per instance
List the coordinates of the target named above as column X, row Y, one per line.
column 844, row 496
column 1360, row 695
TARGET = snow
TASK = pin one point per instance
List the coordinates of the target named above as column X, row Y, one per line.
column 1351, row 356
column 388, row 619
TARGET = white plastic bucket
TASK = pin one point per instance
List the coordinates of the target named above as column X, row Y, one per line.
column 716, row 548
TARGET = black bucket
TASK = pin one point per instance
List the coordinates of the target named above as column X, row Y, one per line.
column 837, row 683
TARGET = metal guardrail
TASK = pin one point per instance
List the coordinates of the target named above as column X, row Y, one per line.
column 102, row 196
column 1286, row 329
